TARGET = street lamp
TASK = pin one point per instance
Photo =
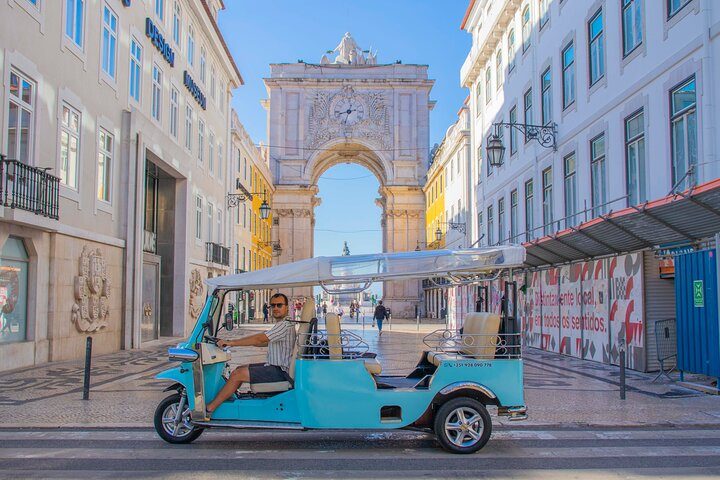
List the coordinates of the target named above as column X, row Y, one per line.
column 264, row 210
column 545, row 135
column 438, row 234
column 234, row 199
column 276, row 248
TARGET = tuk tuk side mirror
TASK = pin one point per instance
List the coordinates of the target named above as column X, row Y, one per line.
column 229, row 321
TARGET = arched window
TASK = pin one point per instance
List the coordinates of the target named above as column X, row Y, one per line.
column 499, row 72
column 526, row 28
column 511, row 49
column 478, row 97
column 488, row 84
column 14, row 263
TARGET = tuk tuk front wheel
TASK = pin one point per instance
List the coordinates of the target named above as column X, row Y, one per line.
column 463, row 425
column 172, row 420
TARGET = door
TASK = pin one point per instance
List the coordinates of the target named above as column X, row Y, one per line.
column 150, row 319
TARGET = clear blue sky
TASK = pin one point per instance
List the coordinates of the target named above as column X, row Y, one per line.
column 426, row 32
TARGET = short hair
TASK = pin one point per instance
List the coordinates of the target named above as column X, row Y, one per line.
column 379, row 302
column 281, row 295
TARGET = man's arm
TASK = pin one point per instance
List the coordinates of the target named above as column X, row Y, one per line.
column 256, row 340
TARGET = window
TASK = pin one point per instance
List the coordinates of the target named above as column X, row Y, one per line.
column 156, row 92
column 478, row 98
column 211, row 153
column 210, row 214
column 598, row 175
column 177, row 24
column 479, row 163
column 480, row 227
column 21, row 121
column 488, row 85
column 501, row 220
column 513, row 132
column 198, row 216
column 511, row 50
column 220, row 160
column 631, row 25
column 213, row 86
column 188, row 127
column 106, row 143
column 547, row 201
column 203, row 63
column 74, row 20
column 499, row 70
column 201, row 141
column 218, row 232
column 546, row 98
column 674, row 6
column 490, row 226
column 69, row 146
column 191, row 46
column 160, row 9
column 174, row 107
column 526, row 28
column 529, row 211
column 568, row 59
column 635, row 158
column 527, row 107
column 135, row 69
column 544, row 12
column 569, row 168
column 14, row 267
column 596, row 48
column 109, row 41
column 513, row 215
column 683, row 126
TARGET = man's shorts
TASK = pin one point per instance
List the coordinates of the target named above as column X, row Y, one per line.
column 263, row 373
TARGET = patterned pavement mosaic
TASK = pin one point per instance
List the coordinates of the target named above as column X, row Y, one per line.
column 560, row 390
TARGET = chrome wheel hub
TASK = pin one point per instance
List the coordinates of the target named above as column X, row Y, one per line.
column 176, row 419
column 464, row 427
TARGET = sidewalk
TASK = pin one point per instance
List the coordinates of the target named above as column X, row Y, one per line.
column 559, row 390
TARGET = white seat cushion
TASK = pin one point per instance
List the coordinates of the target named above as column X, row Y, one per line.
column 373, row 366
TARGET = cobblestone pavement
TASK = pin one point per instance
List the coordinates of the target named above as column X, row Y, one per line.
column 559, row 390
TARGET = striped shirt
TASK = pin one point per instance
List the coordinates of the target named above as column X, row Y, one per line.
column 281, row 343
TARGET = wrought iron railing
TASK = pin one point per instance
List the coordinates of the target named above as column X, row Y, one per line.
column 29, row 188
column 217, row 254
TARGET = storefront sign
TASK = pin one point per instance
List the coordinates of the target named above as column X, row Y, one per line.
column 698, row 294
column 194, row 90
column 159, row 41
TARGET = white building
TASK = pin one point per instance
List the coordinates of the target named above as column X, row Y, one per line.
column 114, row 133
column 632, row 86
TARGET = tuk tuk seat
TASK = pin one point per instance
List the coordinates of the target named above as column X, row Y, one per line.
column 478, row 329
column 334, row 338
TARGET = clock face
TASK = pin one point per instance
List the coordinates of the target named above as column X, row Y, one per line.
column 349, row 111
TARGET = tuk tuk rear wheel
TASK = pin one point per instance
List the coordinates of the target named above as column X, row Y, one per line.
column 171, row 427
column 463, row 425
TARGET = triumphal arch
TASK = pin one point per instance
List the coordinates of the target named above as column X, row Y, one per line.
column 348, row 108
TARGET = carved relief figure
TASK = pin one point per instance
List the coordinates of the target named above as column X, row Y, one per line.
column 196, row 293
column 90, row 311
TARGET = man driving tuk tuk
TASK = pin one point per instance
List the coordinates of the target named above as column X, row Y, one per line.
column 280, row 340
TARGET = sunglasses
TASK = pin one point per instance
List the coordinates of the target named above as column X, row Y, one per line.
column 277, row 305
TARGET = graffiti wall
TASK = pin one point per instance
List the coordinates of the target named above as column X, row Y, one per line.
column 585, row 310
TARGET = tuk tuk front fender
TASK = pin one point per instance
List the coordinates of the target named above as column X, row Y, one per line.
column 180, row 375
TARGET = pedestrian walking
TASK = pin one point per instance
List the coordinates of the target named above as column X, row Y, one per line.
column 265, row 312
column 379, row 315
column 324, row 310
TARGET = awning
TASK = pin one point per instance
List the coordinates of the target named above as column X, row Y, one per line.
column 679, row 219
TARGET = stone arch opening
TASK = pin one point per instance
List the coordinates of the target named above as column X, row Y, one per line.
column 337, row 152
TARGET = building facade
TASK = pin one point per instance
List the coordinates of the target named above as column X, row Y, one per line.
column 115, row 127
column 630, row 89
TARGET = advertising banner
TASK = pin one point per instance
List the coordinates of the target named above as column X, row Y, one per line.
column 570, row 310
column 549, row 298
column 626, row 310
column 595, row 331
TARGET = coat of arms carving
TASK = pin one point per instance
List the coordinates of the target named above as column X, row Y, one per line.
column 91, row 310
column 196, row 293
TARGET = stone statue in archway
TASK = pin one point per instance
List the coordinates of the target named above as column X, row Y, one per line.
column 347, row 50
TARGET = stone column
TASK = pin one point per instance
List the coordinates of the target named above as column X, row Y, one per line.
column 293, row 223
column 403, row 222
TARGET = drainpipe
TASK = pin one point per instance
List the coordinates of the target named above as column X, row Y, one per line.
column 708, row 164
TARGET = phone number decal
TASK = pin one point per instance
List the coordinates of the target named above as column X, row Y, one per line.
column 470, row 364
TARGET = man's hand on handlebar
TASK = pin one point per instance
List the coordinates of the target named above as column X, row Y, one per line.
column 223, row 343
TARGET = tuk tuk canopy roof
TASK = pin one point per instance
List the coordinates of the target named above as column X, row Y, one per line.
column 356, row 269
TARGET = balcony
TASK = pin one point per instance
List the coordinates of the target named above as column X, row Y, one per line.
column 217, row 254
column 29, row 188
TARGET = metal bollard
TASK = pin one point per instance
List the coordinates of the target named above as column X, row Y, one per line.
column 622, row 370
column 88, row 356
column 417, row 322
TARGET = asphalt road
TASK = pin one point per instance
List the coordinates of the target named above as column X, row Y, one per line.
column 522, row 452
